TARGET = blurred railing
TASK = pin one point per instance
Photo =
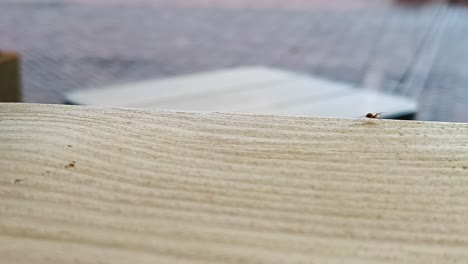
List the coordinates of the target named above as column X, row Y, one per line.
column 422, row 2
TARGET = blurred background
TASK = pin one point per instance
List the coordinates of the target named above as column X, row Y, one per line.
column 417, row 49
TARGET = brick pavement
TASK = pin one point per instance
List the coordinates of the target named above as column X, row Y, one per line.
column 68, row 44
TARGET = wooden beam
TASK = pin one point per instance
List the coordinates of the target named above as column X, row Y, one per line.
column 89, row 185
column 10, row 85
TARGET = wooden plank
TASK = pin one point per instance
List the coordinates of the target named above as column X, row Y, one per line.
column 88, row 185
column 148, row 93
column 10, row 85
column 354, row 104
column 258, row 90
column 260, row 99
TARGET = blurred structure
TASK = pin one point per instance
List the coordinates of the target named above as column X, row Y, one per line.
column 256, row 90
column 10, row 84
column 422, row 2
column 420, row 53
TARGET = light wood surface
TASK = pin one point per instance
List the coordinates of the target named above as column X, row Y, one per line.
column 95, row 185
column 10, row 80
column 259, row 90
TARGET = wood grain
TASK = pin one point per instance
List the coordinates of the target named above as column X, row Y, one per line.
column 150, row 186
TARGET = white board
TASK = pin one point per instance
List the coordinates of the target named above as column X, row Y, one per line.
column 248, row 90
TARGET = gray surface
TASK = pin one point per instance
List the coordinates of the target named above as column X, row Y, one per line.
column 420, row 53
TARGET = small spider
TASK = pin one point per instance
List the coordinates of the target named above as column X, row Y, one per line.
column 373, row 116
